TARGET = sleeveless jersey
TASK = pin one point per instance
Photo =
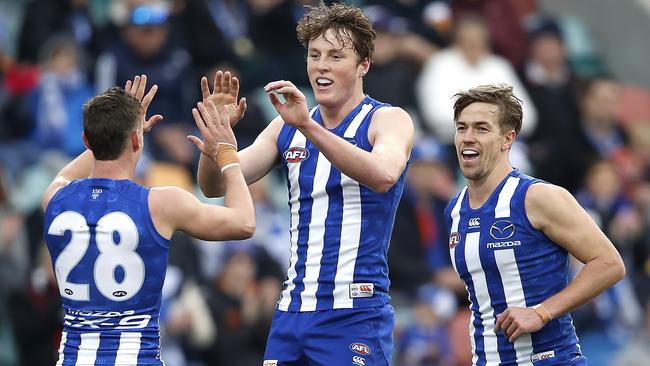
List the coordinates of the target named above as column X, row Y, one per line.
column 110, row 265
column 504, row 262
column 340, row 229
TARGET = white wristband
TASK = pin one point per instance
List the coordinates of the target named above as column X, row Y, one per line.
column 228, row 166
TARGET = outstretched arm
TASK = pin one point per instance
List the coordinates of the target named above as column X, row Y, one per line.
column 174, row 209
column 256, row 160
column 390, row 133
column 82, row 165
column 556, row 213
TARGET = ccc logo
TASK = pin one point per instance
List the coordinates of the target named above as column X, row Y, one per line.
column 474, row 222
column 365, row 288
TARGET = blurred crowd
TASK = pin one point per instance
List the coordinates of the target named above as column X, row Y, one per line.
column 583, row 130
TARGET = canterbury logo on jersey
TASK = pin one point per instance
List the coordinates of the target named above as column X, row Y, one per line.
column 296, row 154
column 474, row 223
column 361, row 290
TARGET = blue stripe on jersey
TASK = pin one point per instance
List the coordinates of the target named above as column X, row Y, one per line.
column 71, row 348
column 325, row 293
column 307, row 170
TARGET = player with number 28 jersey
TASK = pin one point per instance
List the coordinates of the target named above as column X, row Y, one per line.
column 110, row 265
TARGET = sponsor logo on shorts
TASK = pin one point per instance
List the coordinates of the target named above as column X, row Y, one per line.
column 360, row 348
column 296, row 154
column 358, row 361
column 454, row 239
column 270, row 363
column 361, row 290
column 542, row 356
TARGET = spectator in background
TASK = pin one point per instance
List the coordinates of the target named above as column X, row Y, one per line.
column 551, row 85
column 466, row 64
column 56, row 103
column 418, row 252
column 145, row 47
column 44, row 18
column 637, row 350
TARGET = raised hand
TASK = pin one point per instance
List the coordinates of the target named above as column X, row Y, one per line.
column 213, row 123
column 136, row 88
column 225, row 92
column 294, row 110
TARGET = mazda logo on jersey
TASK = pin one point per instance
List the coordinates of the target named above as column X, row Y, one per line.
column 502, row 229
column 296, row 154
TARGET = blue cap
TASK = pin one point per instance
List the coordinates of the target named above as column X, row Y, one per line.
column 428, row 150
column 149, row 14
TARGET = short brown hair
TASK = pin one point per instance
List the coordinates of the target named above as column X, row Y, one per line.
column 349, row 24
column 109, row 118
column 510, row 113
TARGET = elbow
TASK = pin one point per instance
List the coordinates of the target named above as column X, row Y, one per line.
column 616, row 267
column 619, row 271
column 385, row 183
column 248, row 229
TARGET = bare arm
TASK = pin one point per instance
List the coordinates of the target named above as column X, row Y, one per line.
column 556, row 213
column 390, row 133
column 79, row 168
column 256, row 161
column 175, row 209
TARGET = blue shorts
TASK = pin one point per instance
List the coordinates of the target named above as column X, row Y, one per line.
column 358, row 337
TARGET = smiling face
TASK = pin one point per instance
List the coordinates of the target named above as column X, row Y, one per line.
column 335, row 71
column 481, row 146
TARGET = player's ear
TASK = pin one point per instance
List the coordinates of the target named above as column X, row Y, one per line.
column 364, row 66
column 508, row 140
column 135, row 140
column 85, row 140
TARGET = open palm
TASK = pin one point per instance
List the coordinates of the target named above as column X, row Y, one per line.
column 225, row 92
column 136, row 88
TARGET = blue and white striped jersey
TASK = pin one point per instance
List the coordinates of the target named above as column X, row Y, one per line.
column 504, row 262
column 340, row 229
column 110, row 264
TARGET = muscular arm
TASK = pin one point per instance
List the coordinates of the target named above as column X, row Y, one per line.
column 555, row 212
column 175, row 209
column 80, row 167
column 390, row 133
column 256, row 161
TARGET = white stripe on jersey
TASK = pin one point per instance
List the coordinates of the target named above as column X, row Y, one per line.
column 88, row 349
column 475, row 269
column 316, row 240
column 127, row 353
column 350, row 226
column 298, row 140
column 503, row 204
column 64, row 337
column 514, row 292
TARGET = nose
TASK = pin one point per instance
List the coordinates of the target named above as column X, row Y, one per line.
column 322, row 64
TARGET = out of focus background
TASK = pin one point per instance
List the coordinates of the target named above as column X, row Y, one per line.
column 580, row 67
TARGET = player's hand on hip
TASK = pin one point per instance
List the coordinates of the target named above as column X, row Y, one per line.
column 136, row 88
column 294, row 110
column 213, row 123
column 225, row 91
column 516, row 321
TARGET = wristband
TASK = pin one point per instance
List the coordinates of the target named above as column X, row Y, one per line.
column 542, row 313
column 229, row 166
column 226, row 154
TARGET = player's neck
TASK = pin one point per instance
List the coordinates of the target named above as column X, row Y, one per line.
column 113, row 169
column 480, row 190
column 334, row 115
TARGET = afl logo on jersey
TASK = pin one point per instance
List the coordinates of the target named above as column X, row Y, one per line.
column 502, row 229
column 296, row 154
column 360, row 348
column 119, row 293
column 454, row 239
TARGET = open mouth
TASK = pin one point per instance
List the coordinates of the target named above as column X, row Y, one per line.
column 323, row 82
column 469, row 155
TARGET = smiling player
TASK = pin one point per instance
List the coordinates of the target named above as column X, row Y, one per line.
column 344, row 161
column 511, row 236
